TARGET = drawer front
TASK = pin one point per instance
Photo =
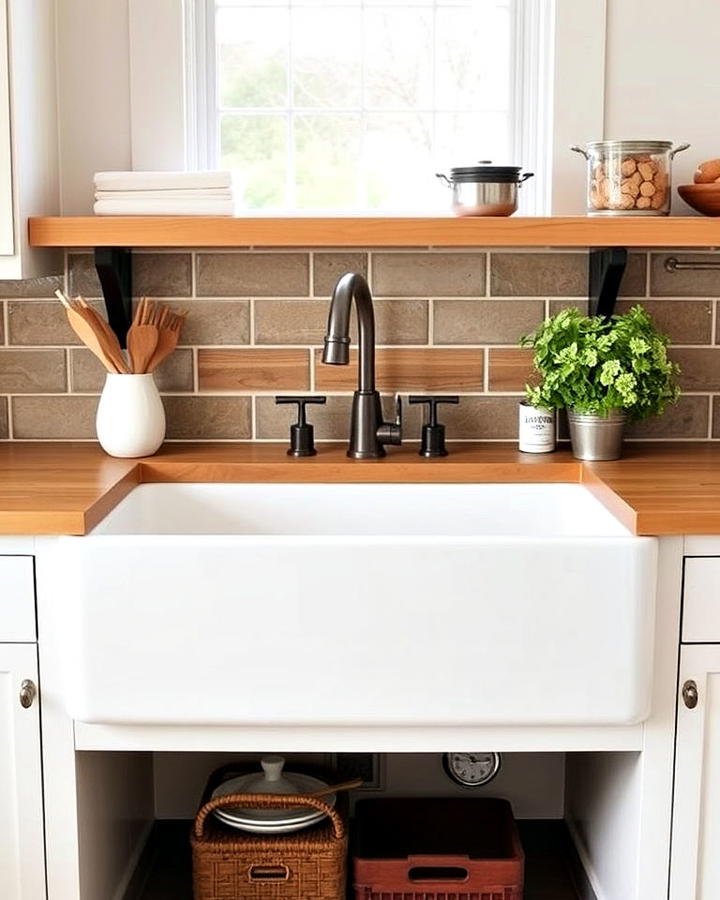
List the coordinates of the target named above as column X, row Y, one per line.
column 701, row 606
column 17, row 599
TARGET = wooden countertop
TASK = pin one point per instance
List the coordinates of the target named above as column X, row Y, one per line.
column 67, row 488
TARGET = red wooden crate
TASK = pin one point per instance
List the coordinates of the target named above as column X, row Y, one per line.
column 437, row 849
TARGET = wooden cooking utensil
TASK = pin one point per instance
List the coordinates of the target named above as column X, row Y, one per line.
column 103, row 330
column 142, row 338
column 94, row 341
column 334, row 788
column 170, row 326
column 142, row 341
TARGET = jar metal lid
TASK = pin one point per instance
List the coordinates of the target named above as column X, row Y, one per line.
column 630, row 146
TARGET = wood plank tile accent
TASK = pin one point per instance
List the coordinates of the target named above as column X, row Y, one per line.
column 509, row 369
column 253, row 369
column 403, row 369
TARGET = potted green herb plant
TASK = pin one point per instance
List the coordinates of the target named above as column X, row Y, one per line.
column 605, row 372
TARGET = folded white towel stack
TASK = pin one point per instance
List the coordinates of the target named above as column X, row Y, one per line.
column 164, row 194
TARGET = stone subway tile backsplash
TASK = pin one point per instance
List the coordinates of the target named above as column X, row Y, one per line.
column 688, row 418
column 153, row 274
column 328, row 267
column 447, row 321
column 33, row 371
column 485, row 321
column 252, row 274
column 685, row 282
column 31, row 287
column 538, row 274
column 69, row 417
column 196, row 418
column 299, row 321
column 87, row 374
column 436, row 274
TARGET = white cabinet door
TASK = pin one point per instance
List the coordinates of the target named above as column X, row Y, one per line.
column 695, row 866
column 701, row 600
column 17, row 600
column 22, row 842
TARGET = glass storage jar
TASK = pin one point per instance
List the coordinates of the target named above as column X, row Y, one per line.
column 629, row 178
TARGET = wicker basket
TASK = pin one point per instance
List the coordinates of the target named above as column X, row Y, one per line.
column 305, row 865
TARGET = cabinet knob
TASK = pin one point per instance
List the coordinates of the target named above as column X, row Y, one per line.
column 28, row 692
column 690, row 694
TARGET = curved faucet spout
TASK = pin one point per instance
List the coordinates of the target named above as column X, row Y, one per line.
column 336, row 352
column 368, row 432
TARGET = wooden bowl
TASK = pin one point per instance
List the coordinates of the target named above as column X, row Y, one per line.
column 705, row 198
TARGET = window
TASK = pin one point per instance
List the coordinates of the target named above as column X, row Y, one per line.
column 353, row 105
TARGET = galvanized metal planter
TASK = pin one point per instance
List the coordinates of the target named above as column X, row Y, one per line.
column 596, row 437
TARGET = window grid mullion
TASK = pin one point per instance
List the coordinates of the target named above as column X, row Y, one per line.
column 433, row 71
column 291, row 111
column 353, row 110
column 362, row 179
column 290, row 193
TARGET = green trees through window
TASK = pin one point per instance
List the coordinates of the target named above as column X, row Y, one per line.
column 355, row 104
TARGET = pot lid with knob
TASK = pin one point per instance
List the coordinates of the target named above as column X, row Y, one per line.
column 485, row 173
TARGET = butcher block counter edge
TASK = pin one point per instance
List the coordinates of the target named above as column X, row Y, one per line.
column 67, row 488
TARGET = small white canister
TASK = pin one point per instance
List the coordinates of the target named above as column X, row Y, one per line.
column 536, row 433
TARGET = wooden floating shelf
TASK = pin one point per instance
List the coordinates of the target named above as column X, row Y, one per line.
column 344, row 231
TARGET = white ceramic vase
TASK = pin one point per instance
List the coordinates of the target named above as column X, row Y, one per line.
column 130, row 418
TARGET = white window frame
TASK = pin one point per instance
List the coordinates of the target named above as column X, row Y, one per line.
column 558, row 93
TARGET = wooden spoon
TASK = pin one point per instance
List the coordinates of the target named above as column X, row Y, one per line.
column 142, row 341
column 334, row 788
column 142, row 338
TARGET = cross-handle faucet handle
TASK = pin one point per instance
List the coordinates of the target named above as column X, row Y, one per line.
column 432, row 441
column 391, row 432
column 302, row 434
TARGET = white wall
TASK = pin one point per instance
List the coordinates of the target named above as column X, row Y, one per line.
column 93, row 96
column 662, row 82
column 662, row 78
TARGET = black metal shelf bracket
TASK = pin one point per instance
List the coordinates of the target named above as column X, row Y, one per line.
column 114, row 269
column 606, row 267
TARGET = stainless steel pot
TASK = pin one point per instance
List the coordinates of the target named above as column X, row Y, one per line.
column 484, row 190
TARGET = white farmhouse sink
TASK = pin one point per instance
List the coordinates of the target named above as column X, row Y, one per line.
column 340, row 604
